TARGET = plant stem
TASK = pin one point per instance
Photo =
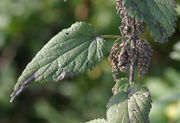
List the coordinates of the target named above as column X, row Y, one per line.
column 113, row 36
column 134, row 57
column 133, row 60
column 132, row 70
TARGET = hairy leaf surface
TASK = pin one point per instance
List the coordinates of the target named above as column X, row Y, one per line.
column 70, row 52
column 159, row 16
column 129, row 106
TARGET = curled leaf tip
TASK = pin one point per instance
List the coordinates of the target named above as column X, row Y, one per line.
column 20, row 88
column 16, row 93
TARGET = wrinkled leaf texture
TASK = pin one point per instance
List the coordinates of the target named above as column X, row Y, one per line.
column 70, row 52
column 159, row 16
column 130, row 105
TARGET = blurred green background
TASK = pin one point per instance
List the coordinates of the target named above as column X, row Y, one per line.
column 26, row 25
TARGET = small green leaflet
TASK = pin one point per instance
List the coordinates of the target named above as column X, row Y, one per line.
column 72, row 51
column 98, row 121
column 159, row 16
column 121, row 85
column 129, row 106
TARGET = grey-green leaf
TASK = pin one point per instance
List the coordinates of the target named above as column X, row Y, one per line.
column 159, row 16
column 131, row 106
column 121, row 85
column 72, row 51
column 98, row 121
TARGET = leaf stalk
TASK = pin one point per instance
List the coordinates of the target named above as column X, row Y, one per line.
column 113, row 36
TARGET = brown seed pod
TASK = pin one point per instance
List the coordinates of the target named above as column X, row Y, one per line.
column 123, row 57
column 131, row 50
column 140, row 27
column 126, row 20
column 115, row 51
column 144, row 53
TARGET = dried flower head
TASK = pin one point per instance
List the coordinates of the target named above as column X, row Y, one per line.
column 144, row 52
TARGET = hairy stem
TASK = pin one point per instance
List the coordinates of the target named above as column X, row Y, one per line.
column 133, row 52
column 132, row 70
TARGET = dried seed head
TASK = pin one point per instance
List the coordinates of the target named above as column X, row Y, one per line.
column 131, row 50
column 120, row 56
column 126, row 21
column 144, row 53
column 113, row 57
column 124, row 57
column 140, row 27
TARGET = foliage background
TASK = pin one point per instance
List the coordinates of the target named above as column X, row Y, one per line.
column 26, row 25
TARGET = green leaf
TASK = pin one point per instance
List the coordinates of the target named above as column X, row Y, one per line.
column 159, row 16
column 131, row 106
column 121, row 85
column 98, row 121
column 70, row 52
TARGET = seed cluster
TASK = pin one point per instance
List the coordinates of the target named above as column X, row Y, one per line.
column 133, row 49
column 144, row 56
column 124, row 57
column 120, row 57
column 113, row 57
column 126, row 21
